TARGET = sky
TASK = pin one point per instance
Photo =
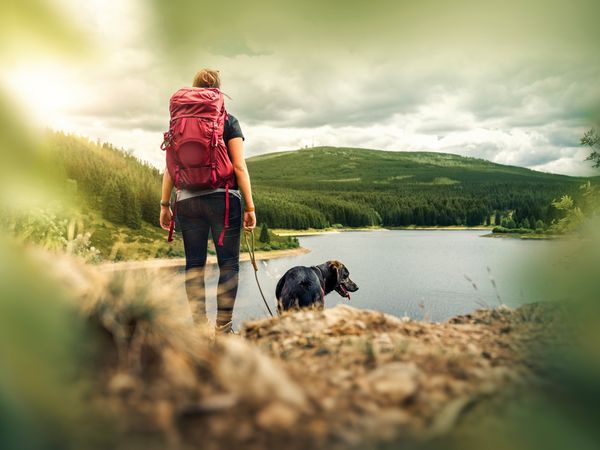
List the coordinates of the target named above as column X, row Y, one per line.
column 514, row 83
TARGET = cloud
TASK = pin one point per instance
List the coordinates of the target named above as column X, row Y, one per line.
column 514, row 83
column 568, row 166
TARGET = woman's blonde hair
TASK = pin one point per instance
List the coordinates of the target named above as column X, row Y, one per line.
column 207, row 78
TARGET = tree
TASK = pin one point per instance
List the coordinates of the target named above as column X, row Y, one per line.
column 112, row 207
column 132, row 214
column 591, row 138
column 264, row 234
column 572, row 215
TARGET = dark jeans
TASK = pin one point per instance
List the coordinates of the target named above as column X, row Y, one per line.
column 197, row 216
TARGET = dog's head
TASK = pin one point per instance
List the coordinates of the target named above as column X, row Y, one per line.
column 340, row 279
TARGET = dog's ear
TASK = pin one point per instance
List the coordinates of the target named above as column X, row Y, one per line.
column 337, row 267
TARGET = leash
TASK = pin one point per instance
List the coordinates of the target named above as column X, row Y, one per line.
column 253, row 261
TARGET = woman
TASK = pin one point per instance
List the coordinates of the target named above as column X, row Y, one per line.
column 199, row 212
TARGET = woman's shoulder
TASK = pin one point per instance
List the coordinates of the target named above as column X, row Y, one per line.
column 232, row 128
column 231, row 119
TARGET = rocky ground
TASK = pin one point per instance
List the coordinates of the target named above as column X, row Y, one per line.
column 370, row 377
column 339, row 378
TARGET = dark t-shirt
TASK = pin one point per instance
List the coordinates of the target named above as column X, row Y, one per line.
column 232, row 129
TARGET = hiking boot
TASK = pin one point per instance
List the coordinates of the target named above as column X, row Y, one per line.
column 227, row 328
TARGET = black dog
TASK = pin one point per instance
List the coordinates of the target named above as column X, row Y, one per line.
column 303, row 287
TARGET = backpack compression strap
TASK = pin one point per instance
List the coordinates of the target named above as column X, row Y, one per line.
column 213, row 143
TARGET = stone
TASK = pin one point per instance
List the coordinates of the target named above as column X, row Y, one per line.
column 277, row 415
column 394, row 382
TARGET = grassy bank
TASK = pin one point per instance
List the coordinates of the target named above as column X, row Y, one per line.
column 114, row 243
column 523, row 233
column 149, row 242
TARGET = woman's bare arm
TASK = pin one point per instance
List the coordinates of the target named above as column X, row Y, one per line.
column 165, row 211
column 236, row 153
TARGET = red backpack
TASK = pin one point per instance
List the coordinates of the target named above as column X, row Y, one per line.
column 197, row 157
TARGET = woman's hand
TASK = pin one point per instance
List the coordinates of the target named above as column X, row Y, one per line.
column 249, row 220
column 166, row 215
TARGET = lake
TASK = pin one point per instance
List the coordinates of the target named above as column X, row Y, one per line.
column 421, row 274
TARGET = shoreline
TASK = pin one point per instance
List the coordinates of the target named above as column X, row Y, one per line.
column 176, row 263
column 442, row 228
column 524, row 236
column 315, row 231
column 179, row 263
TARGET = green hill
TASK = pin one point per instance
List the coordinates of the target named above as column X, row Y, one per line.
column 111, row 200
column 111, row 195
column 114, row 196
column 382, row 170
column 322, row 186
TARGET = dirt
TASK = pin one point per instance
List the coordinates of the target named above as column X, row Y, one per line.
column 371, row 376
column 338, row 378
